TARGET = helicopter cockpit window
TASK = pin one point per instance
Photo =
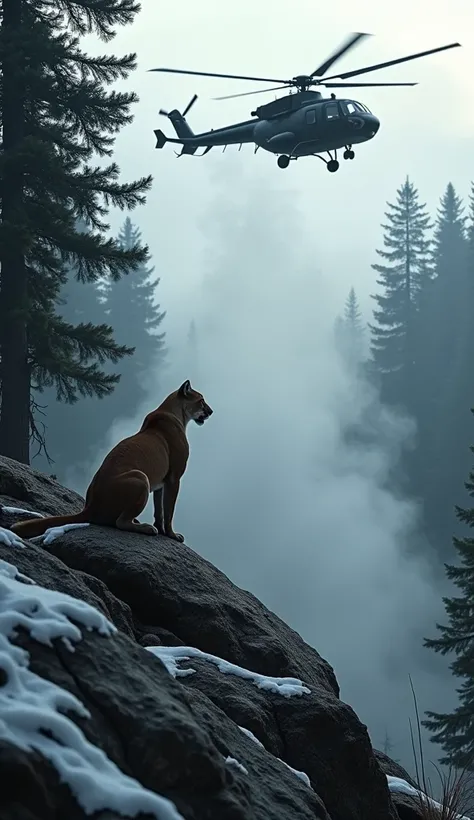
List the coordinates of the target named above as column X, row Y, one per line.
column 332, row 111
column 352, row 107
column 311, row 117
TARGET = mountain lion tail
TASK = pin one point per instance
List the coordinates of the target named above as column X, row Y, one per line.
column 33, row 527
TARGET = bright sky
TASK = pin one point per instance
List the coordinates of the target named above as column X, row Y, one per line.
column 426, row 131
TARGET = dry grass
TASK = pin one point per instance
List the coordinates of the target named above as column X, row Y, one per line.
column 456, row 785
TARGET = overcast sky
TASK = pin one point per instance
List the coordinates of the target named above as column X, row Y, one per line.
column 262, row 259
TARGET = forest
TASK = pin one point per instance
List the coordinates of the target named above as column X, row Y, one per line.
column 81, row 321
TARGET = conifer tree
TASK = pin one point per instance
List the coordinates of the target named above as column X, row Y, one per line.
column 192, row 353
column 350, row 331
column 137, row 319
column 404, row 271
column 455, row 731
column 445, row 376
column 56, row 114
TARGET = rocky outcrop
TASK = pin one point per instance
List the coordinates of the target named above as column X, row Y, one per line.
column 241, row 721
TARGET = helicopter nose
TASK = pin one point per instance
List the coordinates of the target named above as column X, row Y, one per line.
column 372, row 125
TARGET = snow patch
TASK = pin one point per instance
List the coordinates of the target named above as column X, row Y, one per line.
column 397, row 784
column 231, row 761
column 302, row 775
column 55, row 532
column 288, row 687
column 252, row 737
column 33, row 710
column 171, row 662
column 10, row 539
column 14, row 510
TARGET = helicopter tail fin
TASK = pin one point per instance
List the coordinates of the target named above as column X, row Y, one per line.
column 183, row 131
column 160, row 138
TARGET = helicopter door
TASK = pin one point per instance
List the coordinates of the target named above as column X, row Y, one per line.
column 331, row 111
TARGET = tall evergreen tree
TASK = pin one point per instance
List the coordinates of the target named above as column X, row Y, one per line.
column 403, row 272
column 455, row 732
column 137, row 319
column 55, row 115
column 193, row 351
column 445, row 376
column 350, row 331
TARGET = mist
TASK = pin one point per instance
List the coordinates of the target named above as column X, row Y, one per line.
column 274, row 495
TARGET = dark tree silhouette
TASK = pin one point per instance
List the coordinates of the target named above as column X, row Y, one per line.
column 403, row 272
column 56, row 114
column 455, row 731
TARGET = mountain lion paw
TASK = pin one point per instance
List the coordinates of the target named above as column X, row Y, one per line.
column 147, row 529
column 175, row 536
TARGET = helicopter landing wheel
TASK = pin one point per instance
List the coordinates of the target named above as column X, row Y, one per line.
column 332, row 165
column 283, row 161
column 348, row 154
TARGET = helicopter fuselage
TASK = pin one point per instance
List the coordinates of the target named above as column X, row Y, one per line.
column 296, row 125
column 299, row 124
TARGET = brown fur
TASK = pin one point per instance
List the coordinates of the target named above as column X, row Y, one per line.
column 152, row 460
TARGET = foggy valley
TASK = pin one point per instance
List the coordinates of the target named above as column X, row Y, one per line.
column 322, row 485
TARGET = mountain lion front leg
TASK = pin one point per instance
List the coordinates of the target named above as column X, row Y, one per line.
column 170, row 494
column 159, row 521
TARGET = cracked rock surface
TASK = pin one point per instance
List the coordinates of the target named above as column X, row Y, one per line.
column 174, row 735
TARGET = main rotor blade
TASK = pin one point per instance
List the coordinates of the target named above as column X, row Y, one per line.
column 361, row 85
column 249, row 93
column 348, row 44
column 390, row 62
column 224, row 76
column 190, row 105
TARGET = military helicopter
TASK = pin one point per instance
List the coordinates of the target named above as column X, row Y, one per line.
column 302, row 123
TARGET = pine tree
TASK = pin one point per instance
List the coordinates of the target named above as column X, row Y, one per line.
column 455, row 732
column 192, row 352
column 405, row 271
column 350, row 331
column 136, row 318
column 444, row 368
column 56, row 115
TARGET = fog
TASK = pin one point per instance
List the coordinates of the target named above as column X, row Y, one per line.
column 262, row 259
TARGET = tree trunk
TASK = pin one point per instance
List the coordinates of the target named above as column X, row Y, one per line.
column 14, row 366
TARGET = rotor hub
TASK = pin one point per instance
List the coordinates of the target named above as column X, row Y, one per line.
column 303, row 81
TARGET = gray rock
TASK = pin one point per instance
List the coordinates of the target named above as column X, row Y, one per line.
column 174, row 735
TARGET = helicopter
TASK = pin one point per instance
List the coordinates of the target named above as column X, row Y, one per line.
column 302, row 123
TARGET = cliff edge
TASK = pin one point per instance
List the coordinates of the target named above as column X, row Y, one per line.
column 137, row 680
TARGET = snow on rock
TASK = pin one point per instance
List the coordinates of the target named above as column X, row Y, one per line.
column 252, row 737
column 55, row 532
column 33, row 710
column 302, row 775
column 172, row 655
column 400, row 786
column 231, row 761
column 14, row 510
column 9, row 539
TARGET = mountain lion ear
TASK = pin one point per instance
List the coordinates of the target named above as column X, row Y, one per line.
column 185, row 389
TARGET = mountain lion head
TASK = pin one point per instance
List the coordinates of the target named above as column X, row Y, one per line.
column 194, row 406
